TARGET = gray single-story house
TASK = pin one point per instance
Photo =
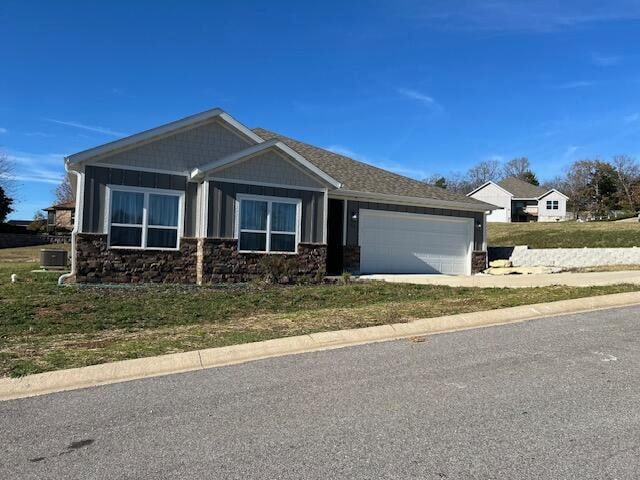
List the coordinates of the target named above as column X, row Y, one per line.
column 206, row 199
column 518, row 201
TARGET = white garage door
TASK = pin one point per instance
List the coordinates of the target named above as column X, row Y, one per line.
column 395, row 242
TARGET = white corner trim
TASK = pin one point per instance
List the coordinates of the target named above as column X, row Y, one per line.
column 325, row 215
column 205, row 209
column 345, row 204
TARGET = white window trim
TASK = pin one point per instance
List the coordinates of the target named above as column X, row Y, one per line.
column 553, row 207
column 145, row 225
column 260, row 198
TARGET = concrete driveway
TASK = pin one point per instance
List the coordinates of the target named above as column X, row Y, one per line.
column 516, row 281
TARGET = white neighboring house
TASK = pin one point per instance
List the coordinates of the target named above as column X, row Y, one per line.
column 520, row 201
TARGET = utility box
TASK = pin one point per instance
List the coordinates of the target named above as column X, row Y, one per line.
column 53, row 258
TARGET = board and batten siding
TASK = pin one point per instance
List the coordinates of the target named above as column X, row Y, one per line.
column 354, row 206
column 97, row 179
column 222, row 204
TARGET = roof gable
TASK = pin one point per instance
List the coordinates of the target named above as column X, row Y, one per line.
column 521, row 189
column 155, row 134
column 252, row 152
column 486, row 184
column 553, row 190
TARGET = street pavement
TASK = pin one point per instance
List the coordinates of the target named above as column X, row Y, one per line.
column 557, row 398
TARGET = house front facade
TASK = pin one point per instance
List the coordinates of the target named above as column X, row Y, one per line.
column 61, row 217
column 519, row 201
column 207, row 200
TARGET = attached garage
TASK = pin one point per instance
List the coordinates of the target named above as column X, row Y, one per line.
column 399, row 242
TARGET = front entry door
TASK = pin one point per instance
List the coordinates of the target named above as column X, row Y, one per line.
column 335, row 231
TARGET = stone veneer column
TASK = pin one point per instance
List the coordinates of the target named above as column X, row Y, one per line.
column 478, row 261
column 199, row 260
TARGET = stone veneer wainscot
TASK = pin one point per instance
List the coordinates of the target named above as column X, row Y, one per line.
column 204, row 260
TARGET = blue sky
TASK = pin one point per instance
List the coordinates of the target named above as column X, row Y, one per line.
column 416, row 87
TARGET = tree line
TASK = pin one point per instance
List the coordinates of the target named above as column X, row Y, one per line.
column 593, row 185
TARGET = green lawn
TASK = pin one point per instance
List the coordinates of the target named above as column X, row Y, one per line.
column 565, row 234
column 46, row 327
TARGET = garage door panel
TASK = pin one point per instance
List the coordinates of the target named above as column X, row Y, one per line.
column 393, row 242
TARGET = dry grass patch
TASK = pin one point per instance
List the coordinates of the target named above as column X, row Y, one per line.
column 565, row 234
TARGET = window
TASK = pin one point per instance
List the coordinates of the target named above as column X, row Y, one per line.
column 552, row 204
column 268, row 224
column 141, row 218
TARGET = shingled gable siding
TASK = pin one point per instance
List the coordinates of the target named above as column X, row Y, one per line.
column 222, row 200
column 184, row 150
column 353, row 208
column 269, row 167
column 97, row 178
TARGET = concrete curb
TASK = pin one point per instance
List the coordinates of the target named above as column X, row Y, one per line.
column 75, row 378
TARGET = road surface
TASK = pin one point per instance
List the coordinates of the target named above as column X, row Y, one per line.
column 553, row 398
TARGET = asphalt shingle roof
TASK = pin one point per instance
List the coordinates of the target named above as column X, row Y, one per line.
column 521, row 189
column 362, row 177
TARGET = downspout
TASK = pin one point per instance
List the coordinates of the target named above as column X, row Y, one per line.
column 78, row 220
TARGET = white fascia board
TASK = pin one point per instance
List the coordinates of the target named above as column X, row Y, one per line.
column 490, row 182
column 256, row 149
column 415, row 201
column 161, row 131
column 552, row 191
column 238, row 126
column 292, row 153
column 477, row 189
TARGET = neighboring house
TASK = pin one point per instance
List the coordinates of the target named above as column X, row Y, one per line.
column 60, row 217
column 520, row 201
column 20, row 223
column 205, row 199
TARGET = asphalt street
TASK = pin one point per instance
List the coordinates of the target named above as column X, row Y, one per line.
column 557, row 398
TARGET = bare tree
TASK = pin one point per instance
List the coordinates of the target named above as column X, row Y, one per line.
column 437, row 180
column 483, row 172
column 627, row 175
column 516, row 167
column 6, row 172
column 66, row 191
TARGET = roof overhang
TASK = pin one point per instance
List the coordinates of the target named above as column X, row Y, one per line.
column 159, row 132
column 477, row 206
column 250, row 152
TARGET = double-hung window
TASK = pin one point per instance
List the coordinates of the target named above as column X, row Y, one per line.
column 144, row 218
column 268, row 224
column 552, row 204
